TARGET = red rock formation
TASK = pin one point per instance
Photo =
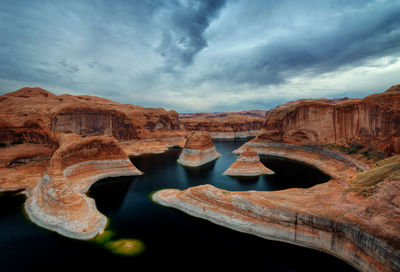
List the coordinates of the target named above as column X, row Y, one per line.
column 248, row 164
column 199, row 149
column 373, row 122
column 225, row 125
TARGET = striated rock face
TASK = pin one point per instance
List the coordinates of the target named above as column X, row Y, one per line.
column 248, row 164
column 363, row 230
column 225, row 125
column 199, row 149
column 58, row 201
column 374, row 122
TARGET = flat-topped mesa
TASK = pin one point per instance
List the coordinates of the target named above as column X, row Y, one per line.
column 248, row 164
column 225, row 125
column 199, row 149
column 58, row 202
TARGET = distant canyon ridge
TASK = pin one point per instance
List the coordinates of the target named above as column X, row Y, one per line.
column 33, row 115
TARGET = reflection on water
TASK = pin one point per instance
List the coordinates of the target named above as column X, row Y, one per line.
column 204, row 171
column 172, row 239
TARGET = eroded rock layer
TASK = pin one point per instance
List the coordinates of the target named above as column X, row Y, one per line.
column 199, row 149
column 248, row 164
column 372, row 122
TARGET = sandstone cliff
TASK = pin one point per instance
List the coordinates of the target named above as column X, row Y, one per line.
column 199, row 149
column 373, row 123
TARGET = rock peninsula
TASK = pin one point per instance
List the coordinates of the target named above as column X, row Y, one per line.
column 58, row 201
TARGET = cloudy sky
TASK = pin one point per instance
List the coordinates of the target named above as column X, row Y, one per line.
column 201, row 55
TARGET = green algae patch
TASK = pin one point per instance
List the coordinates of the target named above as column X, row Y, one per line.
column 126, row 247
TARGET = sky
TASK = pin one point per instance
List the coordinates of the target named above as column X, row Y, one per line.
column 201, row 55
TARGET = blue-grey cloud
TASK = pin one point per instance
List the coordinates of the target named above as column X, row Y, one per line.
column 367, row 31
column 199, row 54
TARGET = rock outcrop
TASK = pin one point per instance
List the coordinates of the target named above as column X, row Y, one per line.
column 372, row 122
column 199, row 149
column 248, row 164
column 225, row 125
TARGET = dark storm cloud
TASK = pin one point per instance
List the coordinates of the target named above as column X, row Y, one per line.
column 184, row 36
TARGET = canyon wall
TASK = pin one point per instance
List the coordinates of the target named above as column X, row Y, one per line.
column 372, row 122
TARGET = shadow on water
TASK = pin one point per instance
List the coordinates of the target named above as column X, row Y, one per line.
column 111, row 191
column 291, row 174
column 245, row 180
column 9, row 201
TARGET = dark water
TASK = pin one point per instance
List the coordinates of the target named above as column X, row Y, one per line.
column 173, row 239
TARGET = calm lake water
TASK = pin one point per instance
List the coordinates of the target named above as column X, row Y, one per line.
column 173, row 240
